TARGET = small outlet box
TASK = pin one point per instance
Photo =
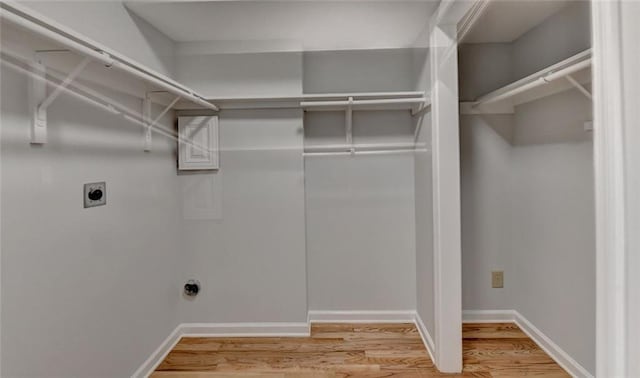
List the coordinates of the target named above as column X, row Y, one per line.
column 95, row 194
column 497, row 279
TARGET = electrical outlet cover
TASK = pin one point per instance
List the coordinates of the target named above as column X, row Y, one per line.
column 497, row 279
column 95, row 194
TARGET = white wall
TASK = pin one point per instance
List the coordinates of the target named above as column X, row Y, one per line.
column 360, row 210
column 360, row 232
column 77, row 282
column 132, row 36
column 250, row 258
column 84, row 291
column 242, row 75
column 560, row 36
column 249, row 253
column 528, row 191
column 486, row 208
column 358, row 71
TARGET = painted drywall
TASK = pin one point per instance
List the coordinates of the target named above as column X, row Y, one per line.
column 560, row 36
column 64, row 266
column 244, row 225
column 486, row 208
column 111, row 24
column 527, row 184
column 85, row 292
column 360, row 232
column 358, row 71
column 360, row 209
column 553, row 277
column 242, row 75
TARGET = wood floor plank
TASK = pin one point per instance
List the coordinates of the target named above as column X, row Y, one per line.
column 357, row 350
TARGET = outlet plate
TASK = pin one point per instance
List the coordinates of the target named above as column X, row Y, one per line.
column 497, row 279
column 95, row 194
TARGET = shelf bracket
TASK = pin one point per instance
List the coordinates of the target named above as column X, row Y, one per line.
column 64, row 84
column 39, row 102
column 419, row 109
column 349, row 125
column 580, row 87
column 151, row 124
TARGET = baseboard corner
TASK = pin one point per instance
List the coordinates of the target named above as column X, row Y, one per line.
column 156, row 358
column 427, row 340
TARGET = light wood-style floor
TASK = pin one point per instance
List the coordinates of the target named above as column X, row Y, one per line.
column 358, row 350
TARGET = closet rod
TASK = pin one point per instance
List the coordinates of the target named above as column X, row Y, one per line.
column 311, row 104
column 359, row 147
column 99, row 55
column 568, row 66
column 376, row 152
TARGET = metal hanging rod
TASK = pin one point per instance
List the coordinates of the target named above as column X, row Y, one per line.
column 562, row 69
column 357, row 153
column 351, row 102
column 359, row 147
column 35, row 23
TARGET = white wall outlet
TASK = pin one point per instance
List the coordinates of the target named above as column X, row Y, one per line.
column 95, row 194
column 497, row 279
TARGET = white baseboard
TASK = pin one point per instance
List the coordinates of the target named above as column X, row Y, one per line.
column 279, row 329
column 275, row 329
column 560, row 356
column 407, row 316
column 427, row 340
column 544, row 342
column 159, row 354
column 488, row 316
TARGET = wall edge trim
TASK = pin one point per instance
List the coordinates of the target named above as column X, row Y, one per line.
column 427, row 340
column 158, row 355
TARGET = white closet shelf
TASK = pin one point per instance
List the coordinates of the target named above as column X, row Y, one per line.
column 571, row 72
column 66, row 39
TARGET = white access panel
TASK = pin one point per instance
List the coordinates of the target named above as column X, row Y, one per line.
column 198, row 146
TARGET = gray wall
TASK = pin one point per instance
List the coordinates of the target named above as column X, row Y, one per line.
column 360, row 210
column 358, row 71
column 527, row 187
column 81, row 284
column 132, row 36
column 249, row 252
column 360, row 232
column 87, row 292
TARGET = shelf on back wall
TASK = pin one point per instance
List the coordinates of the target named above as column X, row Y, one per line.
column 572, row 72
column 408, row 100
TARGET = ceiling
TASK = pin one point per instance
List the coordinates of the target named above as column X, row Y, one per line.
column 506, row 20
column 263, row 26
